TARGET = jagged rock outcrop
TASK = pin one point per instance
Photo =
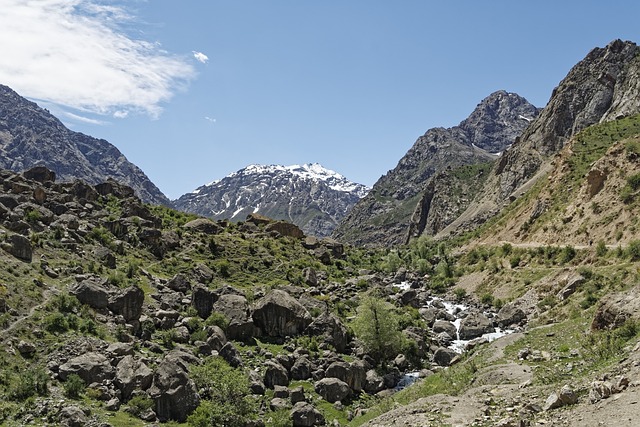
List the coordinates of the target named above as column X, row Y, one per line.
column 30, row 136
column 310, row 196
column 601, row 87
column 384, row 215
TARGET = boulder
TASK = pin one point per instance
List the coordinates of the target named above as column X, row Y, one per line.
column 230, row 353
column 127, row 303
column 203, row 225
column 297, row 395
column 305, row 414
column 449, row 328
column 615, row 309
column 236, row 309
column 331, row 329
column 373, row 382
column 20, row 247
column 132, row 374
column 510, row 314
column 72, row 416
column 332, row 389
column 353, row 374
column 174, row 393
column 179, row 283
column 91, row 367
column 256, row 385
column 301, row 369
column 443, row 356
column 92, row 292
column 285, row 229
column 278, row 314
column 475, row 325
column 216, row 338
column 202, row 299
column 275, row 374
column 40, row 174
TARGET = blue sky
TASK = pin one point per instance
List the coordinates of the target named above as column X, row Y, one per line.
column 191, row 91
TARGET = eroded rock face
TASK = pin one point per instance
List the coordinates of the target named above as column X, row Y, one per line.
column 278, row 314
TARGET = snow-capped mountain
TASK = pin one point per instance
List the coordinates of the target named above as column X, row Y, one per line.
column 310, row 196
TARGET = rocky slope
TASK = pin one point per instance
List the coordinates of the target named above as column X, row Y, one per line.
column 603, row 86
column 31, row 136
column 383, row 217
column 310, row 196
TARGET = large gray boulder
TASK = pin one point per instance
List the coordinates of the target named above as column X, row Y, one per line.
column 174, row 393
column 331, row 329
column 19, row 246
column 202, row 299
column 332, row 389
column 275, row 374
column 301, row 369
column 236, row 309
column 92, row 292
column 127, row 303
column 132, row 374
column 305, row 414
column 278, row 314
column 443, row 356
column 474, row 326
column 353, row 374
column 91, row 367
column 510, row 314
column 445, row 326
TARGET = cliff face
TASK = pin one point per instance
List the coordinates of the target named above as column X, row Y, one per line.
column 603, row 86
column 383, row 217
column 31, row 136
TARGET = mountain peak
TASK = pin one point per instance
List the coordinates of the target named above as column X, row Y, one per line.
column 309, row 195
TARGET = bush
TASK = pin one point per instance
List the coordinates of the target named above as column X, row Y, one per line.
column 633, row 250
column 568, row 253
column 74, row 386
column 634, row 181
column 139, row 404
column 227, row 395
column 28, row 383
column 217, row 319
column 56, row 323
column 601, row 248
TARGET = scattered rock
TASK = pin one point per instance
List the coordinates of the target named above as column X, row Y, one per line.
column 332, row 389
column 278, row 314
column 304, row 414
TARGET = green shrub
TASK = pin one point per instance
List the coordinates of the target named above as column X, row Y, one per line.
column 74, row 386
column 55, row 323
column 601, row 248
column 633, row 250
column 634, row 181
column 377, row 326
column 460, row 293
column 568, row 253
column 217, row 319
column 28, row 383
column 139, row 404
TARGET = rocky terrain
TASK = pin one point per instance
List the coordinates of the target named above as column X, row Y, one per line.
column 30, row 136
column 601, row 87
column 312, row 197
column 384, row 216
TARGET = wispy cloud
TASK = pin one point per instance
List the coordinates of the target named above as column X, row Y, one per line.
column 83, row 119
column 75, row 53
column 200, row 57
column 210, row 119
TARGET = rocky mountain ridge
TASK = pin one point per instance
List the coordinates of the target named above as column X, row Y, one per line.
column 30, row 136
column 310, row 196
column 603, row 86
column 383, row 217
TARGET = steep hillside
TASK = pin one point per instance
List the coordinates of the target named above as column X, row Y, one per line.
column 383, row 216
column 603, row 86
column 310, row 196
column 31, row 136
column 591, row 195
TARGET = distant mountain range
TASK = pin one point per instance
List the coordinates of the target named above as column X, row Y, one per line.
column 310, row 196
column 31, row 136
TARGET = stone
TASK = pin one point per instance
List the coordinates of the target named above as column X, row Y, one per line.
column 443, row 356
column 174, row 393
column 91, row 367
column 20, row 247
column 374, row 382
column 256, row 385
column 285, row 229
column 301, row 369
column 179, row 283
column 216, row 338
column 353, row 374
column 72, row 416
column 202, row 299
column 510, row 314
column 26, row 349
column 132, row 374
column 236, row 309
column 615, row 309
column 203, row 225
column 40, row 174
column 275, row 374
column 305, row 414
column 332, row 389
column 600, row 390
column 279, row 403
column 92, row 292
column 297, row 395
column 127, row 303
column 230, row 353
column 278, row 314
column 331, row 329
column 449, row 328
column 474, row 326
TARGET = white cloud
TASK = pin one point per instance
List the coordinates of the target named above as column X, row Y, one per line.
column 210, row 119
column 83, row 119
column 200, row 57
column 74, row 53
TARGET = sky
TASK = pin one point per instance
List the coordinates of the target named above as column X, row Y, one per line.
column 191, row 91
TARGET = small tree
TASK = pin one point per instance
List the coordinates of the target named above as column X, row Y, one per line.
column 376, row 325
